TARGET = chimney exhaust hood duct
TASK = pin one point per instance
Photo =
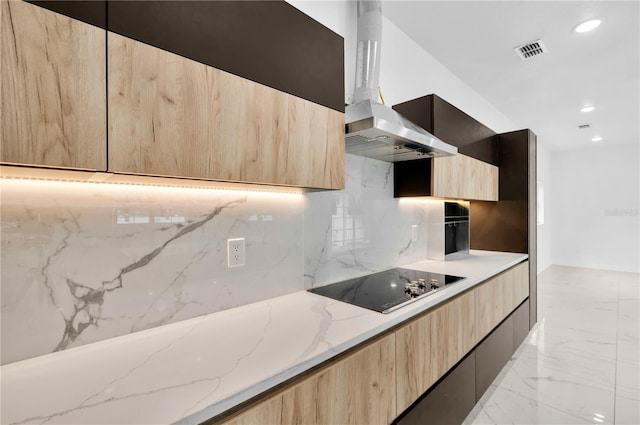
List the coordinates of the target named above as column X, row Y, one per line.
column 373, row 129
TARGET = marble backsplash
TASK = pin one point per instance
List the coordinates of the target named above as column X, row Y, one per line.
column 361, row 229
column 83, row 262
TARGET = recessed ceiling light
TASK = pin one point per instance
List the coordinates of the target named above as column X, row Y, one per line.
column 588, row 25
column 588, row 109
column 596, row 139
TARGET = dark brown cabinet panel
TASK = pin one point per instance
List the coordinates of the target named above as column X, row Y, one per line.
column 520, row 324
column 449, row 402
column 412, row 178
column 510, row 224
column 452, row 125
column 92, row 12
column 492, row 354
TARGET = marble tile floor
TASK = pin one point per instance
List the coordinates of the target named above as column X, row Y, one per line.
column 580, row 364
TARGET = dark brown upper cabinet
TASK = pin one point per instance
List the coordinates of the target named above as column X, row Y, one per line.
column 472, row 174
column 453, row 126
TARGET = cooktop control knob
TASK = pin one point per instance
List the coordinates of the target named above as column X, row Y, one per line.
column 421, row 284
column 435, row 284
column 408, row 288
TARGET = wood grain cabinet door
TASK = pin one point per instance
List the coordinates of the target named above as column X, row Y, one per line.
column 520, row 283
column 360, row 389
column 268, row 412
column 172, row 116
column 53, row 89
column 414, row 362
column 499, row 296
column 430, row 345
column 464, row 177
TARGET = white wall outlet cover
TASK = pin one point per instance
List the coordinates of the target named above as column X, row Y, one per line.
column 235, row 252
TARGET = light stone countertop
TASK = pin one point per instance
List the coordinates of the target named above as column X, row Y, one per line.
column 193, row 370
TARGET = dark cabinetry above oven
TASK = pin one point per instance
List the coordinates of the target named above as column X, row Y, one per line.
column 507, row 225
column 453, row 126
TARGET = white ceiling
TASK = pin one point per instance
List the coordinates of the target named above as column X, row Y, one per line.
column 475, row 41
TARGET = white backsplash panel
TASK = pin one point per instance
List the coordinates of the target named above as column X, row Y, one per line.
column 361, row 229
column 83, row 262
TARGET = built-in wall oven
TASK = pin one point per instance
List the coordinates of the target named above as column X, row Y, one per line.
column 448, row 232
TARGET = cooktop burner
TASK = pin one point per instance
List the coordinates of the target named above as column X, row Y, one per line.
column 388, row 290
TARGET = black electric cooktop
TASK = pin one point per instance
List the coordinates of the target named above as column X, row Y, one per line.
column 388, row 290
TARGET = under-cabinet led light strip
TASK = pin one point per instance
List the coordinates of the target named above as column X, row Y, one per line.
column 115, row 180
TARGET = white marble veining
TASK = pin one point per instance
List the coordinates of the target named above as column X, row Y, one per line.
column 580, row 363
column 83, row 262
column 192, row 370
column 361, row 229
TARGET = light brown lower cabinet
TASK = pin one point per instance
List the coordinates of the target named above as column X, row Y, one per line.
column 359, row 389
column 464, row 177
column 52, row 85
column 172, row 116
column 499, row 296
column 266, row 412
column 376, row 383
column 428, row 347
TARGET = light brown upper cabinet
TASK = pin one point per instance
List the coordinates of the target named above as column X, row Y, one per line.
column 464, row 177
column 456, row 177
column 53, row 85
column 172, row 116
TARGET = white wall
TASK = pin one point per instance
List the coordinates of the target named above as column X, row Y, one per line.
column 407, row 71
column 544, row 229
column 595, row 208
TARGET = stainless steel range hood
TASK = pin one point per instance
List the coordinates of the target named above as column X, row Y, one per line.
column 377, row 131
column 373, row 129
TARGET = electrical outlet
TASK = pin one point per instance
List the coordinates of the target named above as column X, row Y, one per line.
column 235, row 252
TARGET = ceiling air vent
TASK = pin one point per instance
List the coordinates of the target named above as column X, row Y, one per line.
column 529, row 50
column 583, row 126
